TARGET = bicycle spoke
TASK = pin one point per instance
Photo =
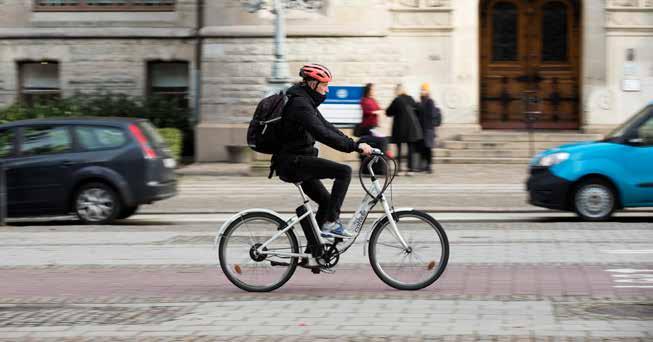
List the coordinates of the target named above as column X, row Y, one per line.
column 402, row 269
column 250, row 269
column 389, row 245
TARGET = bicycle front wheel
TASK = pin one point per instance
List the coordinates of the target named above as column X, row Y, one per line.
column 240, row 260
column 417, row 266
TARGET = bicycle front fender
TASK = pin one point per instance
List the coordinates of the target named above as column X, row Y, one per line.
column 376, row 223
column 239, row 215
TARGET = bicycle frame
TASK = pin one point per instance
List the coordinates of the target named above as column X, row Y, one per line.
column 356, row 223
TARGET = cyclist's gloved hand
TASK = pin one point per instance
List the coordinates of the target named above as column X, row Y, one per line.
column 365, row 149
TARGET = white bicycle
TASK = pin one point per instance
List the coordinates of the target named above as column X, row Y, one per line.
column 258, row 250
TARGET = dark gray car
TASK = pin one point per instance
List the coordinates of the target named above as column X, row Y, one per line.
column 101, row 169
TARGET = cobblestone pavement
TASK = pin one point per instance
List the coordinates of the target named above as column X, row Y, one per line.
column 506, row 281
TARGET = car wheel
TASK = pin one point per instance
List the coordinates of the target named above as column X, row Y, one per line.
column 127, row 212
column 595, row 200
column 97, row 203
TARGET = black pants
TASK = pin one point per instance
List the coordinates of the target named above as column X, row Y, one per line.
column 411, row 152
column 427, row 157
column 309, row 170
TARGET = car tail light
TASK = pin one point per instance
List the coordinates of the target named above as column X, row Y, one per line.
column 148, row 152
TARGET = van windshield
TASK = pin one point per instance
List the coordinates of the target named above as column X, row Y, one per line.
column 621, row 130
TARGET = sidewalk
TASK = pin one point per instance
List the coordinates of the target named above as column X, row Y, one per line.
column 442, row 173
column 462, row 188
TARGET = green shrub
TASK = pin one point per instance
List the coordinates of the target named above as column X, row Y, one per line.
column 173, row 138
column 163, row 112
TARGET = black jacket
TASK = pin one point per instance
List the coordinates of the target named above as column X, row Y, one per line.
column 405, row 125
column 303, row 124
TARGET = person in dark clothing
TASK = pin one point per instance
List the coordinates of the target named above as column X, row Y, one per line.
column 297, row 161
column 405, row 127
column 429, row 118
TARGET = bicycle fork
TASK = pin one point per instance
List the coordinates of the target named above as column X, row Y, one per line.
column 391, row 218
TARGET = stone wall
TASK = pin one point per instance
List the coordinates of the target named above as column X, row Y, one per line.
column 90, row 65
column 18, row 14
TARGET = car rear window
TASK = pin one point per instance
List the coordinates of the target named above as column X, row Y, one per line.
column 45, row 140
column 7, row 138
column 92, row 138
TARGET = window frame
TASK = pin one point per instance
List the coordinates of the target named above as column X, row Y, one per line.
column 58, row 92
column 517, row 41
column 80, row 146
column 636, row 130
column 21, row 141
column 568, row 13
column 149, row 91
column 14, row 145
column 83, row 6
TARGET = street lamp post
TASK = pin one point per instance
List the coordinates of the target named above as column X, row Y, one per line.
column 280, row 78
column 279, row 67
column 3, row 194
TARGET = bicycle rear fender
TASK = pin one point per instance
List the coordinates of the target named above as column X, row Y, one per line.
column 237, row 216
column 377, row 222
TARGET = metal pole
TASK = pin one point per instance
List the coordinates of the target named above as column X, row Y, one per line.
column 3, row 194
column 279, row 68
column 197, row 71
column 279, row 80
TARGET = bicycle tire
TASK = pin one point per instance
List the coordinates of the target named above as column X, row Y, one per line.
column 224, row 241
column 383, row 274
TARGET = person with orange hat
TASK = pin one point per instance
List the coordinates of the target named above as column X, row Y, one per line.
column 429, row 118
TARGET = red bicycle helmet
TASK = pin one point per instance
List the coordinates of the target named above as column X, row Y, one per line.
column 317, row 72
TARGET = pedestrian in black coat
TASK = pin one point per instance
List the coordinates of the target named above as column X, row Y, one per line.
column 405, row 125
column 429, row 118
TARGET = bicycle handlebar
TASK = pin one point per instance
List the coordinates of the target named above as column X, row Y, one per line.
column 377, row 152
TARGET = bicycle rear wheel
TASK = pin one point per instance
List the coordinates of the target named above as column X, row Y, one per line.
column 244, row 266
column 414, row 268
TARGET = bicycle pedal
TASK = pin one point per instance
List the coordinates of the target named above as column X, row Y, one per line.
column 328, row 270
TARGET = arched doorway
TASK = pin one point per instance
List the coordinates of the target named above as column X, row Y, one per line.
column 530, row 62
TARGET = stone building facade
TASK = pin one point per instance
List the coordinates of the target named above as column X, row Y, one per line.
column 585, row 64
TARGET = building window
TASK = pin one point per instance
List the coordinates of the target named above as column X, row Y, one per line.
column 504, row 32
column 104, row 5
column 39, row 82
column 554, row 32
column 169, row 80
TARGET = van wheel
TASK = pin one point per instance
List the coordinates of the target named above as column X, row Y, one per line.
column 127, row 212
column 595, row 200
column 97, row 203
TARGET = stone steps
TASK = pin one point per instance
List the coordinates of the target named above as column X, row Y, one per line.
column 480, row 160
column 493, row 136
column 503, row 147
column 484, row 153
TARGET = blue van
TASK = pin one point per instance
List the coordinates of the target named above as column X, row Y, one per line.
column 596, row 178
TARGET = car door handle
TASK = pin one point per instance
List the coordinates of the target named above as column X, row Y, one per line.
column 68, row 163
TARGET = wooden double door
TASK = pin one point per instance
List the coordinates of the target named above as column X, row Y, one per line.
column 530, row 64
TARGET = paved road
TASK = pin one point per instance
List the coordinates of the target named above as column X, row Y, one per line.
column 144, row 280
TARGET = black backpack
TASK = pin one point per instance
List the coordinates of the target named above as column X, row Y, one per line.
column 262, row 134
column 437, row 116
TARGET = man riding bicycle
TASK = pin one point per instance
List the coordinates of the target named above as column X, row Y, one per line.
column 297, row 161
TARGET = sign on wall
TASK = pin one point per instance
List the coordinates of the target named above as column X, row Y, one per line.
column 342, row 106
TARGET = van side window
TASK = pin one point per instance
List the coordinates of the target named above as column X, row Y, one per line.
column 92, row 138
column 7, row 138
column 45, row 140
column 645, row 132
